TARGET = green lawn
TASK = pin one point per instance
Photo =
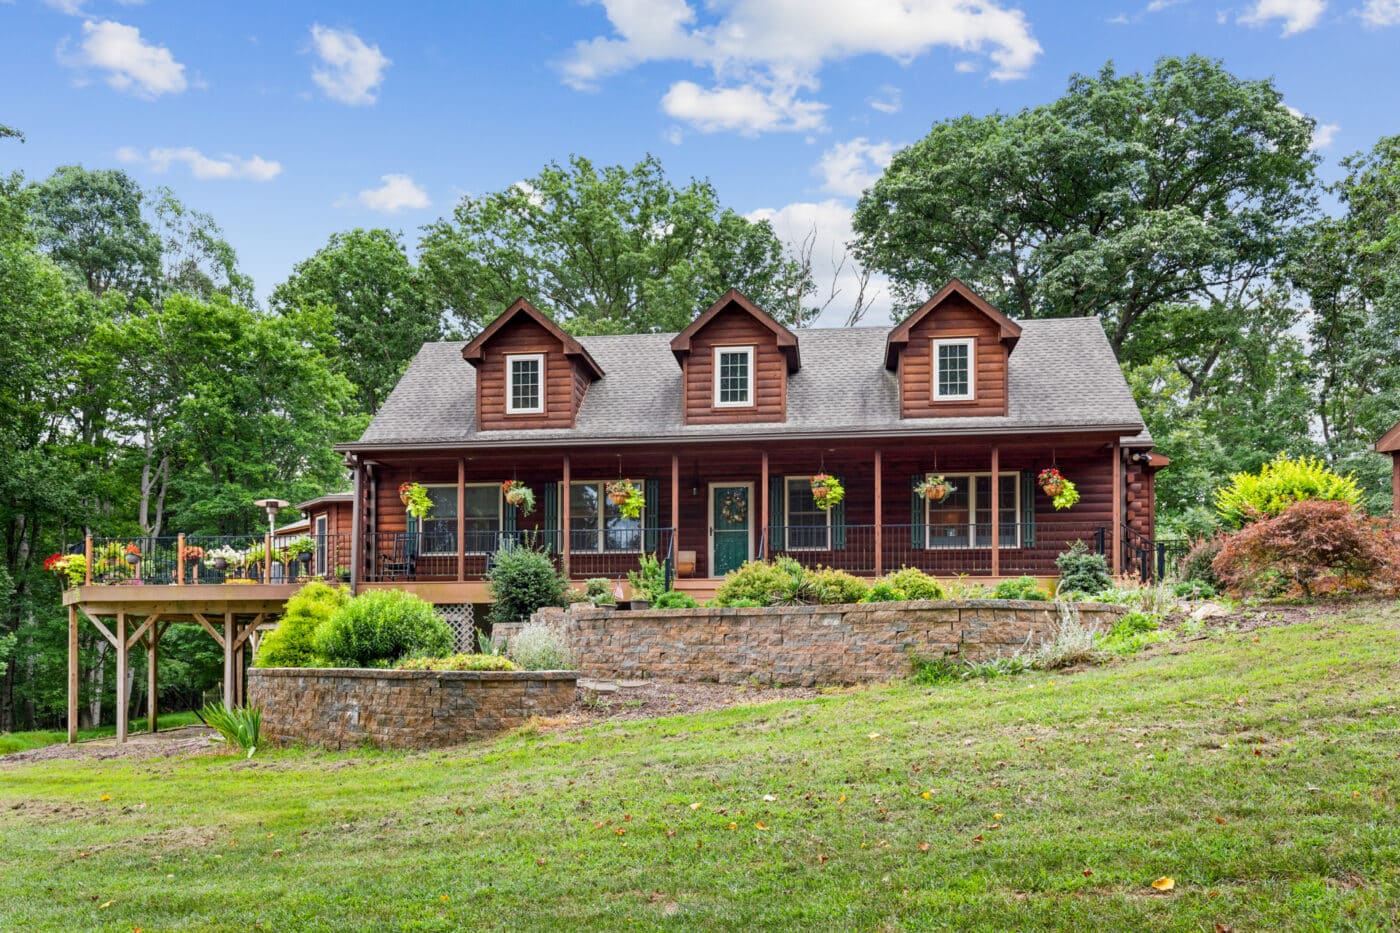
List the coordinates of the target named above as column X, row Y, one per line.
column 1259, row 771
column 24, row 741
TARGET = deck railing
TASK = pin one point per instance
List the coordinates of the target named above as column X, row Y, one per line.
column 429, row 556
column 191, row 560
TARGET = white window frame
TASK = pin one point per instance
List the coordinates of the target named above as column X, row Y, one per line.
column 972, row 545
column 601, row 528
column 500, row 517
column 321, row 532
column 749, row 355
column 511, row 360
column 787, row 513
column 971, row 344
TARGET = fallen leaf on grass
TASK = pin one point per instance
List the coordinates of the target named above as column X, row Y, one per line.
column 841, row 799
column 760, row 825
column 1220, row 820
column 1088, row 873
column 695, row 805
column 923, row 847
column 873, row 736
column 104, row 905
column 444, row 898
column 926, row 795
column 733, row 825
column 1164, row 884
column 769, row 798
column 105, row 797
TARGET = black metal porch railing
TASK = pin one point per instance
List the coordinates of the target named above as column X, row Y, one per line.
column 428, row 556
column 215, row 559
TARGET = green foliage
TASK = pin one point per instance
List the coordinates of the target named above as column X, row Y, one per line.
column 378, row 627
column 882, row 592
column 1132, row 633
column 1082, row 571
column 827, row 491
column 1279, row 484
column 518, row 495
column 538, row 647
column 1019, row 588
column 581, row 242
column 599, row 591
column 416, row 499
column 760, row 583
column 299, row 546
column 633, row 501
column 1193, row 589
column 487, row 645
column 1198, row 563
column 1067, row 497
column 829, row 586
column 240, row 726
column 458, row 662
column 914, row 583
column 293, row 642
column 522, row 580
column 932, row 672
column 650, row 581
column 674, row 599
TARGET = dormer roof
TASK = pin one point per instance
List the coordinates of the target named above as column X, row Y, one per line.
column 899, row 337
column 787, row 340
column 472, row 352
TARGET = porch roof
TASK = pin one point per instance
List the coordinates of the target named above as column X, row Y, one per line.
column 1064, row 378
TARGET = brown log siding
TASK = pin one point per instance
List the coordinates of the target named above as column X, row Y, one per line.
column 954, row 318
column 563, row 387
column 734, row 327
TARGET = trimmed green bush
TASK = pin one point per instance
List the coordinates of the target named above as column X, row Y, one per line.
column 759, row 583
column 831, row 587
column 599, row 591
column 1198, row 563
column 1082, row 571
column 459, row 662
column 239, row 725
column 1280, row 483
column 379, row 627
column 882, row 592
column 541, row 648
column 1019, row 588
column 1193, row 589
column 914, row 583
column 293, row 642
column 674, row 599
column 650, row 581
column 521, row 581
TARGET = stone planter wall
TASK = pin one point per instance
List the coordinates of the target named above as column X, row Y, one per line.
column 346, row 708
column 800, row 644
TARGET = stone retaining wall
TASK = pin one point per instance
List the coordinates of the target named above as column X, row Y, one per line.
column 347, row 707
column 800, row 644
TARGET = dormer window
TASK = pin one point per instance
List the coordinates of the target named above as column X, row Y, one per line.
column 733, row 377
column 952, row 369
column 526, row 374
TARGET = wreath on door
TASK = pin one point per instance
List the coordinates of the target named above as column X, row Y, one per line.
column 734, row 508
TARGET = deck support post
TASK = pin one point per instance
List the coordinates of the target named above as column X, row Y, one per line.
column 565, row 490
column 72, row 674
column 462, row 519
column 229, row 699
column 267, row 558
column 87, row 555
column 996, row 511
column 763, row 509
column 123, row 697
column 879, row 515
column 152, row 659
column 179, row 561
column 1117, row 508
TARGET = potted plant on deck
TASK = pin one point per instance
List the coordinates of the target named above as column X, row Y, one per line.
column 827, row 491
column 193, row 555
column 58, row 566
column 222, row 558
column 133, row 553
column 519, row 495
column 934, row 487
column 1061, row 491
column 627, row 497
column 300, row 550
column 415, row 498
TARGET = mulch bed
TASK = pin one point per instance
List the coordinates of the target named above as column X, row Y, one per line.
column 186, row 740
column 631, row 699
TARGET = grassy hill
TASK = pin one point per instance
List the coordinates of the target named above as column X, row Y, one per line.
column 1259, row 771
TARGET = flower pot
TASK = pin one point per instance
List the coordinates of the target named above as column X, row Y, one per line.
column 1053, row 487
column 133, row 559
column 220, row 563
column 515, row 496
column 936, row 493
column 403, row 497
column 617, row 497
column 305, row 559
column 819, row 492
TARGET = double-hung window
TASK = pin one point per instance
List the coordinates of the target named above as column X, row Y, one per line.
column 733, row 377
column 953, row 361
column 322, row 539
column 808, row 527
column 964, row 517
column 596, row 525
column 482, row 519
column 525, row 389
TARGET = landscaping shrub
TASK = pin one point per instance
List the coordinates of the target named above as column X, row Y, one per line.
column 963, row 587
column 538, row 647
column 522, row 580
column 760, row 583
column 1193, row 589
column 1069, row 643
column 1131, row 633
column 1312, row 544
column 1020, row 588
column 650, row 581
column 379, row 627
column 599, row 591
column 459, row 662
column 882, row 592
column 1251, row 497
column 914, row 583
column 293, row 642
column 241, row 726
column 1198, row 563
column 935, row 671
column 1082, row 571
column 674, row 599
column 834, row 587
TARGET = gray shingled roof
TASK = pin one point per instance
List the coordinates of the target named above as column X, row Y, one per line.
column 1063, row 377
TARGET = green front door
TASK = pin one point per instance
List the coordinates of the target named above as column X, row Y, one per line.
column 730, row 514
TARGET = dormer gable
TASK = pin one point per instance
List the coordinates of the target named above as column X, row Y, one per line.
column 735, row 359
column 952, row 356
column 529, row 372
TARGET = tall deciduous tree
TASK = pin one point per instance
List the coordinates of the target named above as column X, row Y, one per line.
column 606, row 250
column 379, row 316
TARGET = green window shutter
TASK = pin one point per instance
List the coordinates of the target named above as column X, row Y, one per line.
column 509, row 518
column 1027, row 516
column 410, row 544
column 916, row 513
column 838, row 521
column 777, row 503
column 651, row 491
column 551, row 517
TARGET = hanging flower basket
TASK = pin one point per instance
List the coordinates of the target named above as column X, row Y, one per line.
column 827, row 491
column 935, row 487
column 58, row 566
column 627, row 497
column 519, row 495
column 133, row 554
column 415, row 498
column 1061, row 491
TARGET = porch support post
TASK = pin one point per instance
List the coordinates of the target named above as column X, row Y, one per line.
column 267, row 558
column 996, row 510
column 357, row 529
column 879, row 515
column 72, row 674
column 229, row 698
column 1117, row 508
column 564, row 497
column 1395, row 482
column 461, row 520
column 675, row 501
column 87, row 556
column 152, row 659
column 763, row 510
column 123, row 697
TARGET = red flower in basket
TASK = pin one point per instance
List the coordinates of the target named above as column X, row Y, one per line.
column 57, row 563
column 1051, row 481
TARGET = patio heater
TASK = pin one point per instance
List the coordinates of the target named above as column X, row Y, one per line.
column 272, row 506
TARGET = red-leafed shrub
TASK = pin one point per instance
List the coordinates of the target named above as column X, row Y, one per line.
column 1313, row 546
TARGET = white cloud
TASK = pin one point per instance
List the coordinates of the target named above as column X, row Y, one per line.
column 1380, row 13
column 967, row 67
column 353, row 70
column 1297, row 15
column 70, row 7
column 131, row 63
column 255, row 168
column 849, row 168
column 746, row 109
column 765, row 53
column 827, row 225
column 398, row 193
column 1323, row 133
column 891, row 99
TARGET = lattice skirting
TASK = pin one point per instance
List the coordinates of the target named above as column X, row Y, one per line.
column 461, row 618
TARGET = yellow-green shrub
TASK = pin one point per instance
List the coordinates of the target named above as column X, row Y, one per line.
column 1279, row 483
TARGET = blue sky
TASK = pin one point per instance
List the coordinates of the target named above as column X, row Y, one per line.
column 292, row 120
